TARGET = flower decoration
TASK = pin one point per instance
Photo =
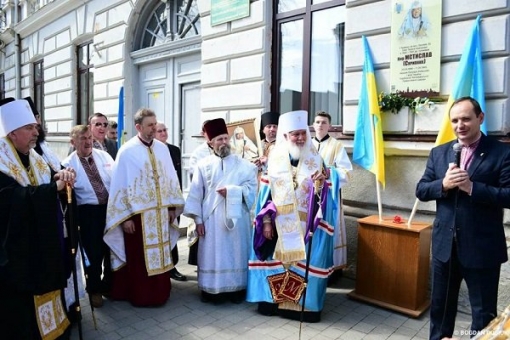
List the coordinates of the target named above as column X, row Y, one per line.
column 397, row 219
column 394, row 102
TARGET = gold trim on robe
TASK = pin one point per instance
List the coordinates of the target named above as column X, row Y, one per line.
column 49, row 311
column 334, row 155
column 10, row 164
column 51, row 318
column 291, row 202
column 144, row 181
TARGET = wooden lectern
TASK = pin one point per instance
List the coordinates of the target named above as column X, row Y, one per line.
column 393, row 265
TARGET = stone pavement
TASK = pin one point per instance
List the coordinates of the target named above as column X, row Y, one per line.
column 185, row 317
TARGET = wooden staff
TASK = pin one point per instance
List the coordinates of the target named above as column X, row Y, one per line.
column 85, row 261
column 83, row 258
column 72, row 237
column 307, row 270
column 317, row 191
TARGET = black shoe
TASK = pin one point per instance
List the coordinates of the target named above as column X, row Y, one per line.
column 215, row 299
column 267, row 308
column 237, row 297
column 174, row 274
column 205, row 297
column 105, row 287
column 237, row 300
column 335, row 277
column 74, row 314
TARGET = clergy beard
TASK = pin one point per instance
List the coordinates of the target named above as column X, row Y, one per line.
column 294, row 151
column 223, row 151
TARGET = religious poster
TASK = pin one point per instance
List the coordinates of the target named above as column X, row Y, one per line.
column 243, row 138
column 416, row 47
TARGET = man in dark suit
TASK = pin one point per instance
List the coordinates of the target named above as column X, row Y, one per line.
column 175, row 154
column 468, row 238
column 112, row 133
column 98, row 124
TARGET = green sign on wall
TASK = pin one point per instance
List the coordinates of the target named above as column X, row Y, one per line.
column 223, row 11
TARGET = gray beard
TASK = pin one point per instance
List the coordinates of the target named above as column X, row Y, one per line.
column 223, row 151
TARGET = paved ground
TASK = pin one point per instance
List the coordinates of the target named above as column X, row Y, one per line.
column 185, row 317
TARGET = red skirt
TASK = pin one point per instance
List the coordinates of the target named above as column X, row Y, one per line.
column 131, row 282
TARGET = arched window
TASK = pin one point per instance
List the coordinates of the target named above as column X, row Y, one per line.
column 170, row 20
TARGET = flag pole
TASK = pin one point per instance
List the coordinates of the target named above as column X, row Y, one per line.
column 120, row 119
column 413, row 212
column 368, row 108
column 379, row 201
column 377, row 184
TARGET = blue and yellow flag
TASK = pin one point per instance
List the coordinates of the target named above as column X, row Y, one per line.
column 468, row 82
column 120, row 118
column 368, row 148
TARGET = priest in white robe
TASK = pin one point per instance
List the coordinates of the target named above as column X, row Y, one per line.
column 143, row 204
column 221, row 194
column 201, row 152
column 268, row 130
column 335, row 157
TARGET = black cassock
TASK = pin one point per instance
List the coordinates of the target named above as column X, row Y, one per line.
column 34, row 257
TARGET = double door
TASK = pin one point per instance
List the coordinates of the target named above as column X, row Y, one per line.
column 172, row 89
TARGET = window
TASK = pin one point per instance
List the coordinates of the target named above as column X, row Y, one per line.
column 171, row 20
column 308, row 71
column 39, row 87
column 85, row 86
column 2, row 86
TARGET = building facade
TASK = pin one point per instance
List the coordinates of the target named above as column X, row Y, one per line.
column 73, row 56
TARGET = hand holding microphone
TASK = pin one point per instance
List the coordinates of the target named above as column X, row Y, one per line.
column 456, row 177
column 457, row 148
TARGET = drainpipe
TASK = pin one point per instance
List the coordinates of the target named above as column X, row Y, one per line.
column 17, row 50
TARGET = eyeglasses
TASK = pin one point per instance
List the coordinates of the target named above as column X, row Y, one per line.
column 162, row 130
column 98, row 124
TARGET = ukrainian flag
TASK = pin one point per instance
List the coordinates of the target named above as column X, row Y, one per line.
column 468, row 82
column 368, row 147
column 120, row 118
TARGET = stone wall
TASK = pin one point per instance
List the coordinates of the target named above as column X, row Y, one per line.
column 236, row 75
column 405, row 160
column 457, row 23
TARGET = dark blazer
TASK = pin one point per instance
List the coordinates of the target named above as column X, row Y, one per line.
column 476, row 219
column 175, row 153
column 111, row 147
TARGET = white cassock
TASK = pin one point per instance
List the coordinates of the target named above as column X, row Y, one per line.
column 223, row 251
column 144, row 181
column 335, row 157
column 201, row 152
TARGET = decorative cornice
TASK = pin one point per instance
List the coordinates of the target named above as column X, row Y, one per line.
column 46, row 14
column 174, row 48
column 7, row 35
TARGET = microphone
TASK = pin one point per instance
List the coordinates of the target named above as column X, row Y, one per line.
column 457, row 148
